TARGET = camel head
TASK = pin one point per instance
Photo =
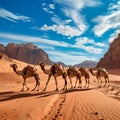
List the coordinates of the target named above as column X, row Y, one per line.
column 14, row 66
column 41, row 64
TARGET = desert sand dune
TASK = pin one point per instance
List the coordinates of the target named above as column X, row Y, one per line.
column 72, row 104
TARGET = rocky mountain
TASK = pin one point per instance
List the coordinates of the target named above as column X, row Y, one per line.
column 25, row 52
column 111, row 59
column 87, row 63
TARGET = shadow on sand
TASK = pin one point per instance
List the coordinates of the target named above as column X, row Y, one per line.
column 10, row 95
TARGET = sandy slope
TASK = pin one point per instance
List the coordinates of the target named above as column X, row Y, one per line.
column 74, row 104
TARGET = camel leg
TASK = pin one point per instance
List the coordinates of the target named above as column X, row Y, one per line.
column 76, row 82
column 108, row 82
column 65, row 82
column 85, row 82
column 27, row 86
column 65, row 86
column 70, row 82
column 98, row 82
column 88, row 82
column 56, row 83
column 47, row 82
column 80, row 83
column 105, row 81
column 24, row 84
column 37, row 82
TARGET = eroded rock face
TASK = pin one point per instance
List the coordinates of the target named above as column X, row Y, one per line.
column 26, row 52
column 111, row 59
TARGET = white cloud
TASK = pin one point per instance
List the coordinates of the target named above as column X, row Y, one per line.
column 64, row 30
column 77, row 18
column 57, row 20
column 48, row 8
column 79, row 4
column 68, row 21
column 86, row 40
column 109, row 21
column 82, row 43
column 33, row 39
column 51, row 6
column 49, row 43
column 113, row 36
column 13, row 17
column 89, row 49
column 114, row 6
column 72, row 10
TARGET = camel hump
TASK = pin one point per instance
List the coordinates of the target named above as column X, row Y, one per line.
column 59, row 66
column 56, row 68
column 29, row 68
column 102, row 70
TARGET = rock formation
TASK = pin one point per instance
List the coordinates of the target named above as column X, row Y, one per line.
column 111, row 59
column 25, row 52
column 87, row 63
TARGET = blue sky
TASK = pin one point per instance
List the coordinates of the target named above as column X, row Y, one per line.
column 70, row 31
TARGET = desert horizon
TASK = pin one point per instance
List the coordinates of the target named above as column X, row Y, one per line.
column 91, row 103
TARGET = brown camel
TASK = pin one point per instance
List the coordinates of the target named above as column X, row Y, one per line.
column 100, row 72
column 73, row 71
column 85, row 73
column 27, row 72
column 55, row 70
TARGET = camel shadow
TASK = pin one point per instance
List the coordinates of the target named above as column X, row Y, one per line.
column 11, row 95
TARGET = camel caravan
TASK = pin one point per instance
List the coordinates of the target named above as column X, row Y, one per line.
column 57, row 70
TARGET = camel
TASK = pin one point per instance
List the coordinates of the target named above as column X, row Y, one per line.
column 27, row 72
column 101, row 72
column 55, row 70
column 85, row 73
column 73, row 71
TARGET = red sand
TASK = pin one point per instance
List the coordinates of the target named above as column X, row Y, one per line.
column 74, row 104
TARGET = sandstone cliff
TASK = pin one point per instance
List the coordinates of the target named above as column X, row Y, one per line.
column 111, row 59
column 25, row 52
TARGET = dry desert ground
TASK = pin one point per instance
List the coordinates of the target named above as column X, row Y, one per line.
column 91, row 103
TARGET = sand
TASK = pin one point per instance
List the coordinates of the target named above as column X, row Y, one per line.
column 91, row 103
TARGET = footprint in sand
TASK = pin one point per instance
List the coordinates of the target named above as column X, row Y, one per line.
column 96, row 113
column 2, row 116
column 55, row 111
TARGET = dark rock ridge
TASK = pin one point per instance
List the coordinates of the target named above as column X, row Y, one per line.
column 111, row 59
column 25, row 52
column 87, row 63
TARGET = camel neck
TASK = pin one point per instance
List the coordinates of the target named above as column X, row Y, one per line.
column 93, row 73
column 14, row 69
column 45, row 71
